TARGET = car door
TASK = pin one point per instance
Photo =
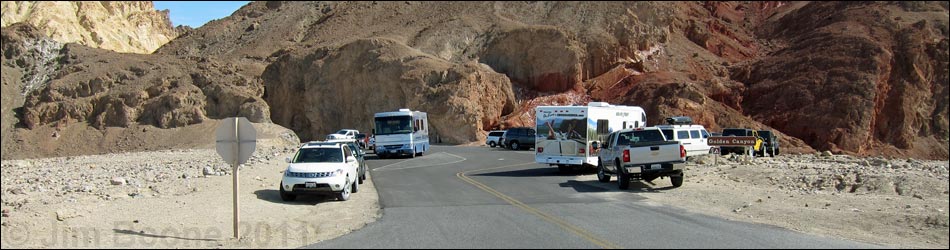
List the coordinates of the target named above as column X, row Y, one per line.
column 352, row 168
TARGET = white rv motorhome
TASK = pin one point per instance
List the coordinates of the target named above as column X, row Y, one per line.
column 565, row 133
column 401, row 132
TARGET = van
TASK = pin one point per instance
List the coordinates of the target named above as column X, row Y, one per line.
column 693, row 137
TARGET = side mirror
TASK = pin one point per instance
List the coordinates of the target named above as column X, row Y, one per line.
column 287, row 160
column 350, row 159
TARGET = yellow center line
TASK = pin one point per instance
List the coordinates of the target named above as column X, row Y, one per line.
column 561, row 223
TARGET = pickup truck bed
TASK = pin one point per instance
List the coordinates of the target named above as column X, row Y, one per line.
column 642, row 154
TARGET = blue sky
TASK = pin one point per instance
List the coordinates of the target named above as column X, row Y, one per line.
column 198, row 13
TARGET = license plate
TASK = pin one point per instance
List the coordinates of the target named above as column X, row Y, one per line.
column 310, row 185
column 392, row 151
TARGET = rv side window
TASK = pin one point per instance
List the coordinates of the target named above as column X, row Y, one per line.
column 680, row 135
column 636, row 124
column 624, row 125
column 602, row 126
column 694, row 134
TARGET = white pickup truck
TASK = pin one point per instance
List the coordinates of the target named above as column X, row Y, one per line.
column 642, row 153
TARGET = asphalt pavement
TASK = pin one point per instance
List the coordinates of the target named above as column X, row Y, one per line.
column 480, row 197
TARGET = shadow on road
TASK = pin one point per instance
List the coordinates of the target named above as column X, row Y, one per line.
column 536, row 172
column 272, row 195
column 635, row 186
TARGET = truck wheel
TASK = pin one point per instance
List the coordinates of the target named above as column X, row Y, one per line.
column 564, row 169
column 601, row 173
column 677, row 180
column 286, row 196
column 623, row 180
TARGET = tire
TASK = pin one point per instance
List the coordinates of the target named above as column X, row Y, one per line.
column 515, row 145
column 623, row 179
column 491, row 144
column 356, row 185
column 286, row 196
column 362, row 176
column 602, row 176
column 564, row 169
column 344, row 195
column 677, row 180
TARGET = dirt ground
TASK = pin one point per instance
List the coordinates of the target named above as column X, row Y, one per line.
column 167, row 199
column 895, row 203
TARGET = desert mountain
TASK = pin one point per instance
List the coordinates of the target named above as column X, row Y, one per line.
column 856, row 78
column 122, row 26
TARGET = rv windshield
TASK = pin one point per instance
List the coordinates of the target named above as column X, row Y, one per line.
column 393, row 125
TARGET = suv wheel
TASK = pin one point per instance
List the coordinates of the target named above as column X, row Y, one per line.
column 344, row 195
column 286, row 196
column 356, row 186
column 515, row 145
column 491, row 144
column 362, row 176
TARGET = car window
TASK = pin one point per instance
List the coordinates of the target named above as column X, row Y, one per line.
column 705, row 133
column 681, row 135
column 694, row 134
column 668, row 133
column 347, row 152
column 318, row 155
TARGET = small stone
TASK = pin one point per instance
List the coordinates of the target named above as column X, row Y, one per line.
column 827, row 204
column 195, row 189
column 918, row 196
column 184, row 176
column 856, row 210
column 208, row 171
column 258, row 178
column 759, row 200
column 806, row 204
column 826, row 154
column 747, row 205
column 65, row 214
column 737, row 210
column 907, row 206
column 118, row 181
column 135, row 221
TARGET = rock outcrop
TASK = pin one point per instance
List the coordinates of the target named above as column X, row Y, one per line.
column 320, row 91
column 76, row 83
column 122, row 26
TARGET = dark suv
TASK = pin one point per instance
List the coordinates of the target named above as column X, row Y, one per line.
column 741, row 132
column 518, row 138
column 770, row 143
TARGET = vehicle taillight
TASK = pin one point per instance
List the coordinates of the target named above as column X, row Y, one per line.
column 581, row 151
column 682, row 152
column 540, row 149
column 626, row 155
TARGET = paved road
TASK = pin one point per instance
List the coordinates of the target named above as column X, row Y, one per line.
column 478, row 197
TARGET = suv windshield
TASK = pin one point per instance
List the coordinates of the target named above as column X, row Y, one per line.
column 319, row 155
column 393, row 125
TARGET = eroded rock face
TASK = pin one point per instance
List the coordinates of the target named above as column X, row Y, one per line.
column 859, row 82
column 109, row 89
column 320, row 91
column 132, row 27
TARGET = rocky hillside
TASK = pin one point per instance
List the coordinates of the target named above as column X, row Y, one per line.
column 855, row 78
column 123, row 26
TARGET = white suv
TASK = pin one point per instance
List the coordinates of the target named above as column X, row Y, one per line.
column 493, row 137
column 343, row 134
column 321, row 168
column 693, row 137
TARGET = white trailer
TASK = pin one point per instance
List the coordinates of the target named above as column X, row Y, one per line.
column 401, row 132
column 565, row 133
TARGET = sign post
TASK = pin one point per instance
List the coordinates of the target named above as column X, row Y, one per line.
column 235, row 141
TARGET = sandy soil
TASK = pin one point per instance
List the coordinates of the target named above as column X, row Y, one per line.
column 895, row 203
column 171, row 199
